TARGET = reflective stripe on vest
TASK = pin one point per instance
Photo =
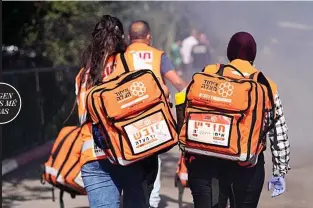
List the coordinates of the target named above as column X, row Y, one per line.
column 87, row 145
column 54, row 172
column 90, row 145
column 79, row 180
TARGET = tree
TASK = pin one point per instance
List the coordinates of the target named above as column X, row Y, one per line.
column 60, row 31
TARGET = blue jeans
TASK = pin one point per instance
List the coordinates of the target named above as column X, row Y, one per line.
column 104, row 183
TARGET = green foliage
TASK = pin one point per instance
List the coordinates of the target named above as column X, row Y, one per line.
column 62, row 30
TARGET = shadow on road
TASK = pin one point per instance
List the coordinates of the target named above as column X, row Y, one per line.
column 23, row 186
column 166, row 199
column 15, row 191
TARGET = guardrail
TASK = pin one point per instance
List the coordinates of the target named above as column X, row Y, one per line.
column 48, row 95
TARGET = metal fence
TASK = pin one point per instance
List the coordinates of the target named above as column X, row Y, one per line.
column 48, row 95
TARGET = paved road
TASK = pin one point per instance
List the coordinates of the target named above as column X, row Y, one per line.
column 22, row 189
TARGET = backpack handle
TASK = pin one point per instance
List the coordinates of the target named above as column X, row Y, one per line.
column 222, row 68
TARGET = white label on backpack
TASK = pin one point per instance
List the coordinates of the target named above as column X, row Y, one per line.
column 148, row 133
column 209, row 129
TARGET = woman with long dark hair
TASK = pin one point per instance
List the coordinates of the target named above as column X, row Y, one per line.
column 104, row 181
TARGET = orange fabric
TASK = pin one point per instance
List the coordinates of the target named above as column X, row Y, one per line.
column 152, row 59
column 91, row 151
column 81, row 88
column 150, row 55
column 225, row 114
column 135, row 55
column 135, row 115
column 63, row 168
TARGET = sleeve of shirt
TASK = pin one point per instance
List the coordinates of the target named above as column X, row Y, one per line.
column 280, row 152
column 166, row 64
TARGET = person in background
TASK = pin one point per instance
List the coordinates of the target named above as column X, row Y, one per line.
column 147, row 57
column 176, row 56
column 200, row 54
column 187, row 45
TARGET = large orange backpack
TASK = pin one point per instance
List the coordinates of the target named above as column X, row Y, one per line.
column 225, row 115
column 63, row 170
column 134, row 116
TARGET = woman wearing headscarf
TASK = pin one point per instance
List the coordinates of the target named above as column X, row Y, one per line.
column 243, row 184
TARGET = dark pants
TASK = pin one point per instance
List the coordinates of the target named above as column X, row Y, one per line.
column 242, row 185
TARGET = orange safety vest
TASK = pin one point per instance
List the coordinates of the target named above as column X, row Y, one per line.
column 142, row 52
column 90, row 151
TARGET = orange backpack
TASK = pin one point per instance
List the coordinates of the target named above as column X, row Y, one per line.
column 133, row 115
column 63, row 170
column 225, row 115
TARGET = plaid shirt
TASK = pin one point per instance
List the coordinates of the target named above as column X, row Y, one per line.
column 280, row 153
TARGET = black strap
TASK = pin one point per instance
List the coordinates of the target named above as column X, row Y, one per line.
column 271, row 126
column 263, row 80
column 222, row 68
column 43, row 170
column 73, row 196
column 61, row 199
column 53, row 195
column 252, row 75
column 124, row 62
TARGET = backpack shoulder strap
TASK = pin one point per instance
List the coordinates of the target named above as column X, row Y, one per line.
column 53, row 194
column 61, row 198
column 252, row 76
column 220, row 72
column 260, row 78
column 123, row 59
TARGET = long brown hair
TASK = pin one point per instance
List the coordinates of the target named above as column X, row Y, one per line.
column 107, row 40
